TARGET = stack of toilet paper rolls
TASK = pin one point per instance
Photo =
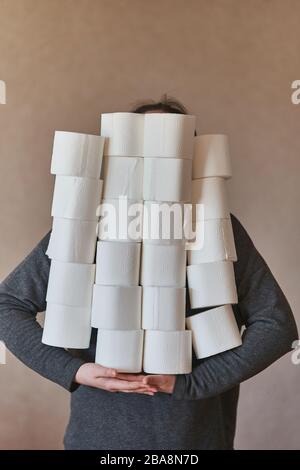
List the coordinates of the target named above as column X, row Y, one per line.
column 117, row 295
column 76, row 162
column 210, row 270
column 168, row 153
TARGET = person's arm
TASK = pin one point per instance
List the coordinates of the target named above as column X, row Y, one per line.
column 270, row 328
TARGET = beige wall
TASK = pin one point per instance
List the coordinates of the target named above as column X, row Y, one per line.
column 232, row 63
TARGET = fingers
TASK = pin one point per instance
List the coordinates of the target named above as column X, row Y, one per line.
column 101, row 371
column 111, row 384
column 130, row 377
column 152, row 379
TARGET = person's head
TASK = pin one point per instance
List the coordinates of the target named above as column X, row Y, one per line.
column 165, row 105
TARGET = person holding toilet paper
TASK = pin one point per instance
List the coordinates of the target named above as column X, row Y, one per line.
column 195, row 410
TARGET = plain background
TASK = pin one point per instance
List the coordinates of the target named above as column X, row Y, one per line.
column 232, row 63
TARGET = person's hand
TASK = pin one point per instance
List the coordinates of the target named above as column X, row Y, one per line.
column 95, row 375
column 162, row 383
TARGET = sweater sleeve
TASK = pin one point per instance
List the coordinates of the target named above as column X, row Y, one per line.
column 269, row 332
column 22, row 296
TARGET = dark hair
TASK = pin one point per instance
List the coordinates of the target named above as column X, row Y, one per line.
column 166, row 104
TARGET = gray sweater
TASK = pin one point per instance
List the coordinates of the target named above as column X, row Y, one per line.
column 201, row 412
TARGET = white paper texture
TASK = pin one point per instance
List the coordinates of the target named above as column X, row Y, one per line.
column 72, row 240
column 118, row 263
column 167, row 352
column 211, row 284
column 70, row 284
column 121, row 220
column 214, row 331
column 163, row 222
column 117, row 307
column 77, row 154
column 167, row 179
column 124, row 134
column 212, row 194
column 120, row 349
column 67, row 327
column 163, row 308
column 123, row 176
column 218, row 242
column 76, row 198
column 163, row 265
column 211, row 156
column 169, row 135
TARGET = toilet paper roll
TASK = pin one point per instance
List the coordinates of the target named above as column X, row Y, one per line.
column 77, row 154
column 73, row 241
column 218, row 243
column 123, row 176
column 118, row 263
column 211, row 156
column 76, row 198
column 169, row 135
column 214, row 331
column 167, row 179
column 120, row 349
column 211, row 284
column 211, row 193
column 167, row 352
column 163, row 265
column 163, row 222
column 121, row 220
column 116, row 307
column 70, row 284
column 163, row 308
column 124, row 134
column 67, row 327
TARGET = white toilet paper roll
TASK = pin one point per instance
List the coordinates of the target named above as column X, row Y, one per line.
column 118, row 263
column 76, row 198
column 163, row 222
column 163, row 265
column 77, row 154
column 212, row 194
column 67, row 327
column 73, row 241
column 211, row 156
column 120, row 349
column 121, row 220
column 169, row 135
column 123, row 176
column 167, row 179
column 167, row 352
column 211, row 284
column 214, row 331
column 163, row 308
column 218, row 243
column 124, row 133
column 70, row 284
column 117, row 307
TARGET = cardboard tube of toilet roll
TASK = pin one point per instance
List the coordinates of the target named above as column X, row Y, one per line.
column 163, row 265
column 211, row 156
column 169, row 135
column 214, row 331
column 124, row 134
column 123, row 176
column 67, row 327
column 163, row 222
column 77, row 154
column 211, row 193
column 218, row 243
column 116, row 307
column 118, row 263
column 167, row 179
column 211, row 284
column 70, row 284
column 167, row 352
column 120, row 349
column 163, row 308
column 73, row 241
column 76, row 198
column 121, row 220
